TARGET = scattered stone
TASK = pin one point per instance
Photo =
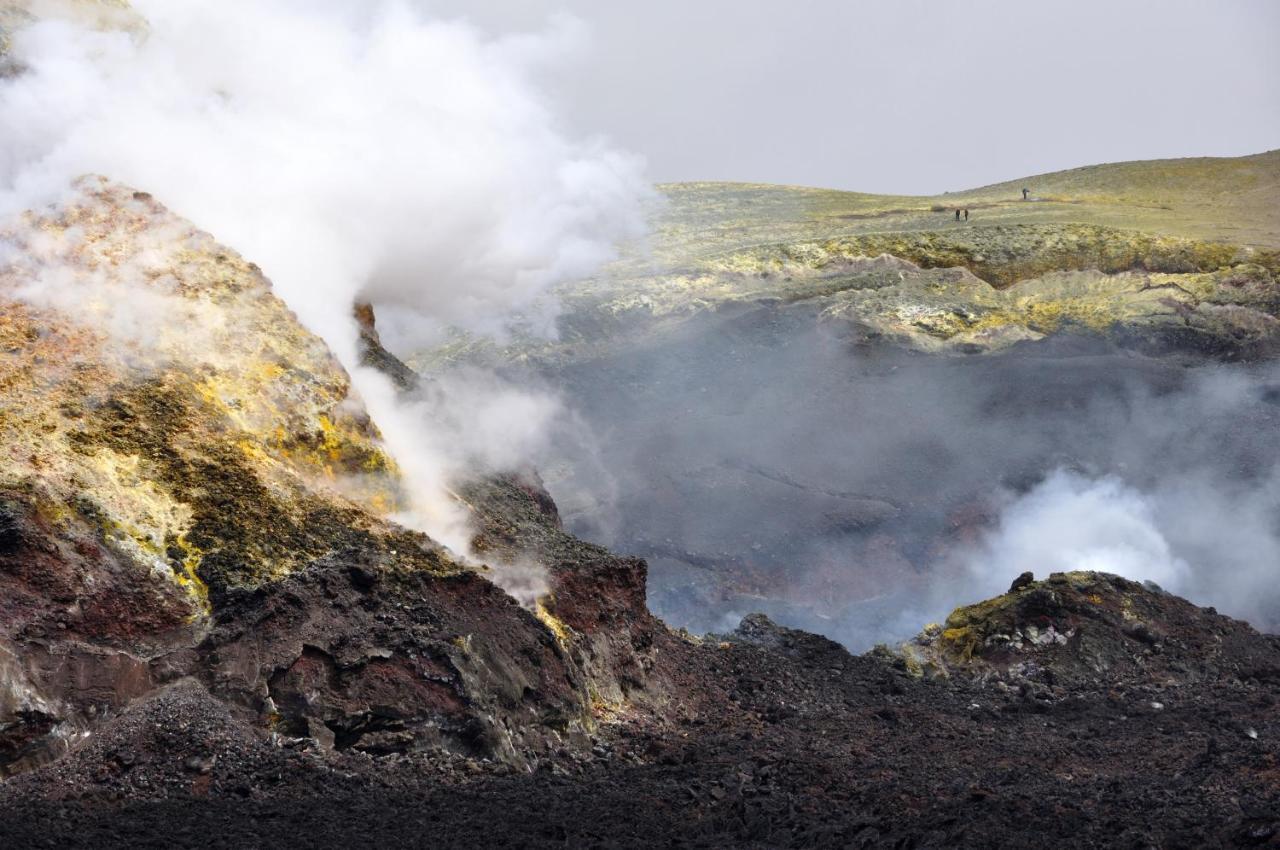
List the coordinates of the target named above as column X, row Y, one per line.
column 198, row 764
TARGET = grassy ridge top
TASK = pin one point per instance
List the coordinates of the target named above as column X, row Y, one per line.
column 1234, row 200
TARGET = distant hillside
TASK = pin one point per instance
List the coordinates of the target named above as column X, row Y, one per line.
column 1159, row 256
column 1234, row 200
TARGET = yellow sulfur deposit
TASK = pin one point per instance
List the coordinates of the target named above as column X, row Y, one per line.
column 156, row 389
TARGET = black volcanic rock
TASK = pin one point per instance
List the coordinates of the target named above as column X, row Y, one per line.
column 780, row 739
column 1022, row 581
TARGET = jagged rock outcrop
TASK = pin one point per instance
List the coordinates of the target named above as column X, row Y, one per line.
column 1085, row 629
column 597, row 604
column 374, row 355
column 192, row 491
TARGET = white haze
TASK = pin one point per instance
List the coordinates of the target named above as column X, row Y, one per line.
column 48, row 271
column 457, row 424
column 1199, row 533
column 757, row 442
column 1073, row 522
column 356, row 152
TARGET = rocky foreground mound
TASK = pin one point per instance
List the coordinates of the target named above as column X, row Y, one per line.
column 1084, row 629
column 782, row 738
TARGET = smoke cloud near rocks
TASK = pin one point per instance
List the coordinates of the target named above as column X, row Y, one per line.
column 1201, row 532
column 1073, row 522
column 365, row 152
column 461, row 424
column 356, row 152
column 64, row 270
column 761, row 461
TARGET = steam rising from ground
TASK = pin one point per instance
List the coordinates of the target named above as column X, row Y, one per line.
column 1072, row 522
column 458, row 424
column 63, row 270
column 762, row 463
column 356, row 152
column 1197, row 532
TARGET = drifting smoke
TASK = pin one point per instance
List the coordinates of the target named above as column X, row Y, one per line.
column 356, row 152
column 361, row 152
column 524, row 580
column 462, row 422
column 1071, row 522
column 1196, row 532
column 761, row 463
column 50, row 271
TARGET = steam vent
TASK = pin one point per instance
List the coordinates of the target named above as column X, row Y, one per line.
column 382, row 466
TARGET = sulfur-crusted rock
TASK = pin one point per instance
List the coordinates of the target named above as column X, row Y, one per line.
column 190, row 489
column 163, row 403
column 1083, row 629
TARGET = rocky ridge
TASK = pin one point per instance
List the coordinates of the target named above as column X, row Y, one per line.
column 191, row 491
column 1174, row 255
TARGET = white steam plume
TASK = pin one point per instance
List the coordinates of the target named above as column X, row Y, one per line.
column 474, row 421
column 1070, row 522
column 1196, row 534
column 356, row 152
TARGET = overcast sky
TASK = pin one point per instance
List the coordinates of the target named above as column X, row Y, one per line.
column 912, row 96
